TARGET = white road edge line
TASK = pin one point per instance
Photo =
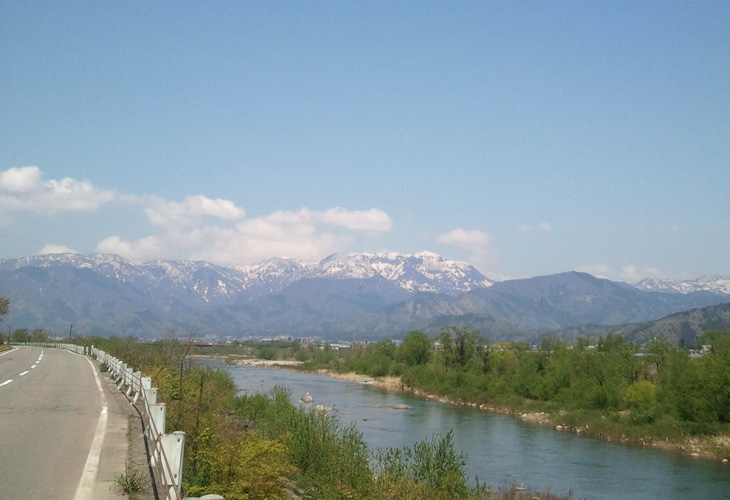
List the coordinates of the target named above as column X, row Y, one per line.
column 6, row 382
column 87, row 482
column 8, row 352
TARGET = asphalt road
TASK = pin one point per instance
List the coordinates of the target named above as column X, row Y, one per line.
column 51, row 416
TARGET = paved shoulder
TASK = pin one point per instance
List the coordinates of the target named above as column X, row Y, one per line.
column 124, row 451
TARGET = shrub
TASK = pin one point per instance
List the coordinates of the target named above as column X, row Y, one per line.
column 244, row 467
column 430, row 469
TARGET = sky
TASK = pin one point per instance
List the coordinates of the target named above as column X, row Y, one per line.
column 527, row 138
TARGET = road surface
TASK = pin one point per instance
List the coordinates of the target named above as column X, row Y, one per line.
column 61, row 431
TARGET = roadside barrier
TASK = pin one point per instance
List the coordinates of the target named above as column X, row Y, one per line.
column 166, row 450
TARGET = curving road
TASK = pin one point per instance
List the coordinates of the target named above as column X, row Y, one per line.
column 54, row 420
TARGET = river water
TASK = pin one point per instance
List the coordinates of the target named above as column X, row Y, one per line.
column 500, row 450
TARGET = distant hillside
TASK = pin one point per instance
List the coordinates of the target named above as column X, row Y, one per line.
column 528, row 307
column 679, row 328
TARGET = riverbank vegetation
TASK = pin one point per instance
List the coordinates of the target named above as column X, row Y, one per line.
column 263, row 447
column 656, row 394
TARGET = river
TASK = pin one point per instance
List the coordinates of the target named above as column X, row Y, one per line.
column 500, row 450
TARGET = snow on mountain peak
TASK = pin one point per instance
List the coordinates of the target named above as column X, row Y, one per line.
column 706, row 283
column 419, row 272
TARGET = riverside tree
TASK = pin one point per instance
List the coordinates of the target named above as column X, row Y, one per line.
column 459, row 345
column 415, row 349
column 716, row 373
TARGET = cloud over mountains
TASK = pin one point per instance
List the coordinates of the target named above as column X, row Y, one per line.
column 198, row 227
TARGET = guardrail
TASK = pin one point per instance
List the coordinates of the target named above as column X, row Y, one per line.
column 166, row 450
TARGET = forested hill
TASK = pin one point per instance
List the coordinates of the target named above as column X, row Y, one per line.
column 678, row 329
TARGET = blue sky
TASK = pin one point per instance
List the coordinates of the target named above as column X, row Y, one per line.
column 527, row 138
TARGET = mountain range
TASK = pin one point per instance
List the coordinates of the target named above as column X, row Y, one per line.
column 707, row 283
column 356, row 296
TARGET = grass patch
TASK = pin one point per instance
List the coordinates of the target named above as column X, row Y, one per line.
column 131, row 482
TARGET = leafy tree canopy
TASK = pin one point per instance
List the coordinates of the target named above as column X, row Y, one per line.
column 4, row 307
column 415, row 349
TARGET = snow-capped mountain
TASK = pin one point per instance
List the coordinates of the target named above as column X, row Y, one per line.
column 420, row 272
column 271, row 275
column 105, row 294
column 208, row 281
column 111, row 266
column 707, row 283
column 365, row 295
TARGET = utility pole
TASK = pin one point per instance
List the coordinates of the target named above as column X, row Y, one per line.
column 10, row 331
column 70, row 330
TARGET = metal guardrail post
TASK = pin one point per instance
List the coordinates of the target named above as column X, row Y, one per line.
column 151, row 395
column 158, row 414
column 129, row 378
column 120, row 373
column 137, row 384
column 174, row 448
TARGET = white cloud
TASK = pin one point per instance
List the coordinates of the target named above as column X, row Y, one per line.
column 634, row 274
column 627, row 274
column 147, row 248
column 372, row 220
column 544, row 226
column 190, row 211
column 197, row 227
column 477, row 243
column 19, row 180
column 182, row 232
column 22, row 189
column 51, row 248
column 360, row 220
column 463, row 238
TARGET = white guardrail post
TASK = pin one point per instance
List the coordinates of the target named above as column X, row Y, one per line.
column 173, row 446
column 167, row 450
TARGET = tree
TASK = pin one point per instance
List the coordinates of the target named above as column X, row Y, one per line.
column 459, row 345
column 39, row 335
column 682, row 389
column 716, row 372
column 415, row 349
column 21, row 335
column 657, row 351
column 484, row 352
column 611, row 343
column 4, row 308
column 386, row 348
column 582, row 344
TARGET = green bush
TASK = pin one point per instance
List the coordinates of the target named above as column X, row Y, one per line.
column 430, row 469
